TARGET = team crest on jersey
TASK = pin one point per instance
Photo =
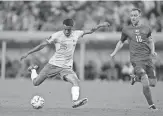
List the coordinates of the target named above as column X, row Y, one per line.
column 137, row 32
column 49, row 38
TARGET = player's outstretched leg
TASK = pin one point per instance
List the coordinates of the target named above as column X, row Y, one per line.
column 75, row 90
column 146, row 89
column 38, row 79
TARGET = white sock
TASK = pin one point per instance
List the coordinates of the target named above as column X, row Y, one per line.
column 151, row 105
column 33, row 74
column 75, row 93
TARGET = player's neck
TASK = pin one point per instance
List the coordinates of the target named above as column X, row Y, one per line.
column 68, row 35
column 136, row 24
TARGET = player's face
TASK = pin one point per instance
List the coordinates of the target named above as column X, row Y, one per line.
column 135, row 16
column 67, row 30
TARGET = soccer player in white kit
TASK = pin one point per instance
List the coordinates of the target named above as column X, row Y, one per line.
column 62, row 61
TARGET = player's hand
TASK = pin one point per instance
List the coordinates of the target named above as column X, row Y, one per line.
column 23, row 57
column 105, row 24
column 112, row 55
column 154, row 55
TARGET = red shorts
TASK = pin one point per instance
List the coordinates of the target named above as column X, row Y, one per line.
column 148, row 67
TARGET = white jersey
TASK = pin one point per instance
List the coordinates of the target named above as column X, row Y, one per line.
column 65, row 47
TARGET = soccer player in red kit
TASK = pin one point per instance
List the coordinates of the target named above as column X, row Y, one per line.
column 142, row 50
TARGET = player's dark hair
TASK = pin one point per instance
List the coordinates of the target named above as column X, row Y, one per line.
column 136, row 9
column 68, row 22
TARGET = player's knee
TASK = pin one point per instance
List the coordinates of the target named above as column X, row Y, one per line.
column 72, row 79
column 75, row 82
column 145, row 81
column 140, row 72
column 36, row 83
column 152, row 82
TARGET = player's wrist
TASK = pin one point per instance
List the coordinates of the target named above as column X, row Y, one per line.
column 105, row 24
column 27, row 54
column 101, row 25
column 113, row 54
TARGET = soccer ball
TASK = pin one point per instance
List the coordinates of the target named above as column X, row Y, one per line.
column 37, row 102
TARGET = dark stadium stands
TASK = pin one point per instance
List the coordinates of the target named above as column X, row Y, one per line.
column 47, row 16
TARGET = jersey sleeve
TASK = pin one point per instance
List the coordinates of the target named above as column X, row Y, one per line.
column 53, row 38
column 79, row 33
column 123, row 36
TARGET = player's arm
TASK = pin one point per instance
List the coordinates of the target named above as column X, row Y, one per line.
column 35, row 49
column 51, row 39
column 152, row 45
column 119, row 45
column 105, row 24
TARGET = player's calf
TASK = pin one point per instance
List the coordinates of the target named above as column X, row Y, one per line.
column 72, row 78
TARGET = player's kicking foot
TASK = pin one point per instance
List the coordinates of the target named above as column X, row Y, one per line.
column 133, row 79
column 79, row 102
column 32, row 67
column 153, row 107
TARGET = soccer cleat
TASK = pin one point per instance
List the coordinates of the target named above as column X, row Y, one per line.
column 133, row 79
column 79, row 102
column 153, row 107
column 32, row 67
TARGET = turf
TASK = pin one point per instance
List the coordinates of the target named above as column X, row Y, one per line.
column 105, row 99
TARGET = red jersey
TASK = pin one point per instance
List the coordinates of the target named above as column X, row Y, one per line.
column 138, row 39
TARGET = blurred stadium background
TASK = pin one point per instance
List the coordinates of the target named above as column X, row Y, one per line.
column 23, row 25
